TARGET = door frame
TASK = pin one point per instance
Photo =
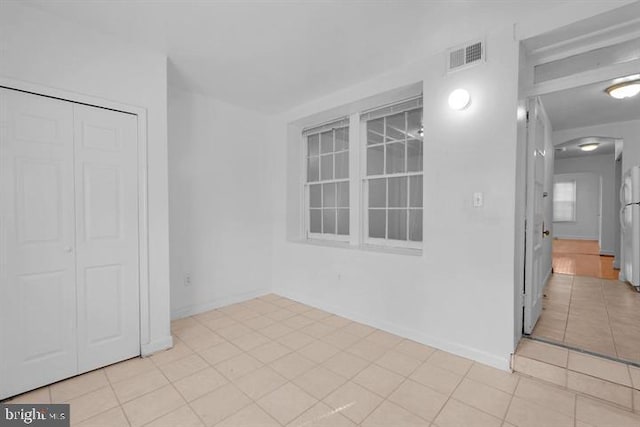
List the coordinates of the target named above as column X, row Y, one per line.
column 529, row 89
column 143, row 208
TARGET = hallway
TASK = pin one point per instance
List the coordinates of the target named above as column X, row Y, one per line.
column 585, row 307
column 598, row 315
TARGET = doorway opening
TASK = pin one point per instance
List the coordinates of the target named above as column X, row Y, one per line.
column 592, row 144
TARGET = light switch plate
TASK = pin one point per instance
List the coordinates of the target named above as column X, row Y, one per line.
column 478, row 199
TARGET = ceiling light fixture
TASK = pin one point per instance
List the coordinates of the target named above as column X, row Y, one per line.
column 589, row 146
column 459, row 99
column 624, row 89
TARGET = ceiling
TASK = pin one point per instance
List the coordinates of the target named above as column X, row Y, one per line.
column 571, row 148
column 271, row 55
column 587, row 106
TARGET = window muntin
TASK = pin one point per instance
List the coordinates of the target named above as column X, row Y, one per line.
column 564, row 201
column 327, row 185
column 393, row 182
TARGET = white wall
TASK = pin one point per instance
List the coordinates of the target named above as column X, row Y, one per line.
column 587, row 223
column 219, row 188
column 603, row 167
column 39, row 48
column 458, row 295
column 629, row 132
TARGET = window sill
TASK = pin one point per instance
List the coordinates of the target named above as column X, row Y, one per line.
column 363, row 247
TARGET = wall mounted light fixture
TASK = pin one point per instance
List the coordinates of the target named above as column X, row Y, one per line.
column 459, row 99
column 624, row 89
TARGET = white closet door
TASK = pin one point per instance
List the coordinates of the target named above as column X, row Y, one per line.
column 106, row 182
column 37, row 234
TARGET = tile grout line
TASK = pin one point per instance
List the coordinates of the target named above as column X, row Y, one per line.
column 566, row 324
column 575, row 410
column 606, row 309
column 513, row 394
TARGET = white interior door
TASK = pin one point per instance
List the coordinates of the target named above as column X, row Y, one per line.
column 534, row 234
column 37, row 233
column 106, row 182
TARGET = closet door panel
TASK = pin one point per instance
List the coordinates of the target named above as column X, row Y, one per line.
column 107, row 236
column 37, row 234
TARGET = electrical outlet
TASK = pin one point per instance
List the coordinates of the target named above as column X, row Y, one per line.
column 187, row 279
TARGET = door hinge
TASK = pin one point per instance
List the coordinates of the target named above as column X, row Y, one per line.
column 527, row 117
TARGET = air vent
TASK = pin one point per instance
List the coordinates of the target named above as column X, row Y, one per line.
column 464, row 56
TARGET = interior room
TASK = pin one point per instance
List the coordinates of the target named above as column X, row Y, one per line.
column 267, row 213
column 584, row 295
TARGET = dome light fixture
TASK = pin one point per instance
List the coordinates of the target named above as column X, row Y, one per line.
column 589, row 146
column 624, row 90
column 459, row 99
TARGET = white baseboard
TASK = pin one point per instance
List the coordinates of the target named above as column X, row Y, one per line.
column 502, row 363
column 155, row 346
column 217, row 303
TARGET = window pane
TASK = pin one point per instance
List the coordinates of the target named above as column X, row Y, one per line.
column 343, row 194
column 315, row 221
column 414, row 155
column 375, row 160
column 315, row 196
column 415, row 225
column 398, row 224
column 313, row 145
column 414, row 123
column 326, row 171
column 378, row 193
column 342, row 165
column 375, row 131
column 415, row 191
column 395, row 157
column 343, row 221
column 342, row 139
column 377, row 220
column 329, row 221
column 395, row 127
column 329, row 195
column 564, row 201
column 398, row 192
column 326, row 142
column 313, row 169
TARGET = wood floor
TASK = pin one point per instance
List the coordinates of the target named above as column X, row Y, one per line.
column 585, row 307
column 582, row 258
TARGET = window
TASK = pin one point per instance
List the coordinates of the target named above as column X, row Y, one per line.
column 387, row 184
column 327, row 184
column 393, row 181
column 564, row 201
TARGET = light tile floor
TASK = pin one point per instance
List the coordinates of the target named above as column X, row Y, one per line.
column 589, row 313
column 271, row 361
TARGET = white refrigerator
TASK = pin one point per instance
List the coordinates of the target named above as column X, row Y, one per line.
column 630, row 226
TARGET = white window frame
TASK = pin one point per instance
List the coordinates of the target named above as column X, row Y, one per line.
column 331, row 125
column 575, row 201
column 364, row 209
column 357, row 181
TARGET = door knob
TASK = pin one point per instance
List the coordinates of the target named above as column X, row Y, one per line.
column 546, row 232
